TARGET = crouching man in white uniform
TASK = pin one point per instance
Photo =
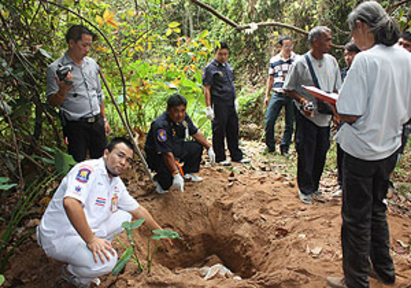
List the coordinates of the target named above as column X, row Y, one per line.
column 86, row 213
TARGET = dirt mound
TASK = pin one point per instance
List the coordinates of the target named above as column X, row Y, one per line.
column 253, row 224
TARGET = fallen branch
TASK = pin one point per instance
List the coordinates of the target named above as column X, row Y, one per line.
column 260, row 24
column 396, row 5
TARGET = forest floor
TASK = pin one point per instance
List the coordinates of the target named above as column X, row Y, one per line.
column 251, row 222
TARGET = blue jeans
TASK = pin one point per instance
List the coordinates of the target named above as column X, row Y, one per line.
column 274, row 107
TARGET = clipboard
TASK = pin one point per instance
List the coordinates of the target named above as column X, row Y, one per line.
column 322, row 95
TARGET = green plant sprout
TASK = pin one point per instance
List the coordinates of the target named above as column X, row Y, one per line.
column 159, row 235
column 131, row 252
column 2, row 279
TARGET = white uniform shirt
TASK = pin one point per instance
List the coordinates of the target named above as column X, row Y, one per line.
column 100, row 195
column 328, row 75
column 378, row 90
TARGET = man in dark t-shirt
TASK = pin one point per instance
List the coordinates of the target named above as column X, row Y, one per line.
column 167, row 146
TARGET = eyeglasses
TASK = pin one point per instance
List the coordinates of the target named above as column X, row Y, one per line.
column 288, row 46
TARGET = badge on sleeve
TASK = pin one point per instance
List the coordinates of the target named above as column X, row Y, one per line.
column 161, row 135
column 77, row 190
column 83, row 175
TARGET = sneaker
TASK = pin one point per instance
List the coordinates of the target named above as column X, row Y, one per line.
column 192, row 178
column 306, row 199
column 224, row 163
column 75, row 281
column 159, row 189
column 337, row 193
column 318, row 196
column 243, row 161
column 336, row 282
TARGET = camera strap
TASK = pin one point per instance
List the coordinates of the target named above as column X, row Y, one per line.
column 310, row 67
column 321, row 107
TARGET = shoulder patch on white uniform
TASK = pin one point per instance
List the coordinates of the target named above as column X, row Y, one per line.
column 83, row 175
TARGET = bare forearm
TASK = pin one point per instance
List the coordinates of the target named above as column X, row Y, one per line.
column 294, row 95
column 102, row 111
column 199, row 137
column 170, row 162
column 142, row 213
column 348, row 118
column 207, row 95
column 77, row 217
column 57, row 99
column 270, row 82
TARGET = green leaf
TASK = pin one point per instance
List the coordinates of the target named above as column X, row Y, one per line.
column 123, row 261
column 137, row 223
column 168, row 33
column 203, row 34
column 45, row 53
column 174, row 24
column 165, row 234
column 63, row 161
column 2, row 279
column 6, row 187
column 126, row 225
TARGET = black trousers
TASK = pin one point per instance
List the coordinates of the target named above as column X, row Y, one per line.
column 191, row 158
column 340, row 157
column 312, row 143
column 365, row 233
column 225, row 125
column 83, row 137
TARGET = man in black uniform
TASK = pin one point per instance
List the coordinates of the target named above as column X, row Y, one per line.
column 222, row 106
column 167, row 146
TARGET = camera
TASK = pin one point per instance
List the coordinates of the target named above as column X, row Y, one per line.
column 62, row 72
column 309, row 106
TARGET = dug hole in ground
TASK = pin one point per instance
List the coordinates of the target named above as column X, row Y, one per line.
column 251, row 222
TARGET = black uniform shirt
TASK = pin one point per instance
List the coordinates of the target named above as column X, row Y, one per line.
column 167, row 136
column 221, row 78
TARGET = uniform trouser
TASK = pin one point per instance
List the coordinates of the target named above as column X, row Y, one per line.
column 225, row 124
column 191, row 157
column 83, row 137
column 73, row 250
column 312, row 143
column 365, row 233
column 340, row 157
column 273, row 111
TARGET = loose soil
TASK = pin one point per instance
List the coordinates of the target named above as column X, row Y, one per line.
column 253, row 224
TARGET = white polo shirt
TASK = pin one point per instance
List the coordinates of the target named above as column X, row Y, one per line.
column 378, row 90
column 100, row 195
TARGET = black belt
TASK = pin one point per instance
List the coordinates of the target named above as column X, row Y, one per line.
column 91, row 120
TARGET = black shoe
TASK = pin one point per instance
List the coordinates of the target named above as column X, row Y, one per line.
column 386, row 279
column 284, row 151
column 269, row 151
